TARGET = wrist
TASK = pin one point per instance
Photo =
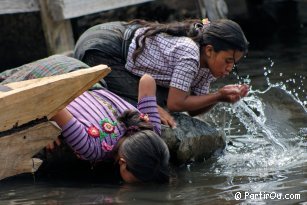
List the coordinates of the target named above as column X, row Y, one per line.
column 218, row 96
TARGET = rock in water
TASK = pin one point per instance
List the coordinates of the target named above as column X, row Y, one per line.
column 192, row 140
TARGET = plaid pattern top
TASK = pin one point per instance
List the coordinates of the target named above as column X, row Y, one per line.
column 172, row 61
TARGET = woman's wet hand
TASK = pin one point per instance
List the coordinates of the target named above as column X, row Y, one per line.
column 243, row 90
column 166, row 118
column 232, row 93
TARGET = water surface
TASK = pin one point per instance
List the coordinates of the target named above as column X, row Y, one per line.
column 264, row 161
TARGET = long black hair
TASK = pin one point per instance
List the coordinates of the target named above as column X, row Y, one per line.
column 222, row 34
column 146, row 154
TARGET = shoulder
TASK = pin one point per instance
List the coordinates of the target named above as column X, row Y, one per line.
column 186, row 43
column 183, row 47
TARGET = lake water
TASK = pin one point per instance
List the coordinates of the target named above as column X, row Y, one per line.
column 263, row 163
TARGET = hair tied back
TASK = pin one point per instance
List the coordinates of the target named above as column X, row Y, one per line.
column 198, row 26
column 132, row 129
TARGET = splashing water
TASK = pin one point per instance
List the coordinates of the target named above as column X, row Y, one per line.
column 261, row 143
column 254, row 123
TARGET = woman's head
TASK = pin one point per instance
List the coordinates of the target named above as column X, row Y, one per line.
column 222, row 44
column 142, row 155
column 222, row 36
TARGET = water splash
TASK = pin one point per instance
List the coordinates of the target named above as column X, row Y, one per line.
column 261, row 144
column 250, row 110
column 255, row 124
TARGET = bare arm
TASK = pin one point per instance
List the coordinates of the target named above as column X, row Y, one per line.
column 147, row 87
column 62, row 117
column 179, row 100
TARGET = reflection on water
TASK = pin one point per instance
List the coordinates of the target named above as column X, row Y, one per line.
column 266, row 153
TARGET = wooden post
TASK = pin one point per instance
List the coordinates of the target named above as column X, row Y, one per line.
column 58, row 34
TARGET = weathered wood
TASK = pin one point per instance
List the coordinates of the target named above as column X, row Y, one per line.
column 58, row 34
column 18, row 6
column 17, row 149
column 66, row 9
column 44, row 97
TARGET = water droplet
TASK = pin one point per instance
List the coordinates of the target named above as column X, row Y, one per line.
column 188, row 167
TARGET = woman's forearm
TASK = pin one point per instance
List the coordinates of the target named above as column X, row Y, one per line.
column 192, row 104
column 62, row 117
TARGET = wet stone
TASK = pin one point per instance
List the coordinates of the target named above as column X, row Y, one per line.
column 192, row 140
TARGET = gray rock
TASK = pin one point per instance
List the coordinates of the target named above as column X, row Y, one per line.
column 192, row 140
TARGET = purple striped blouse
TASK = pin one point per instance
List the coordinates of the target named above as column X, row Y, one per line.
column 89, row 109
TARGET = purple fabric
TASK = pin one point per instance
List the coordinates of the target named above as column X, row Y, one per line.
column 87, row 111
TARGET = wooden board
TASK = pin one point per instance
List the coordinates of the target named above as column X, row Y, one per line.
column 18, row 6
column 17, row 149
column 66, row 9
column 44, row 97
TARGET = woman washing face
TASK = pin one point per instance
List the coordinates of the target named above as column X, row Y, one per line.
column 183, row 57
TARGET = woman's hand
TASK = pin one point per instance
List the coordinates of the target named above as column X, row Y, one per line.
column 244, row 90
column 166, row 118
column 147, row 87
column 233, row 93
column 51, row 146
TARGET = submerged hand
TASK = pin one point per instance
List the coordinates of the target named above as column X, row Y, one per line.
column 166, row 118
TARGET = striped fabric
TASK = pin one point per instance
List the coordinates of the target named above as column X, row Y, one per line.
column 88, row 111
column 172, row 61
column 53, row 65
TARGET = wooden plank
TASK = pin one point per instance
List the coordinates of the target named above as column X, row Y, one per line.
column 66, row 9
column 18, row 6
column 44, row 97
column 18, row 149
column 58, row 34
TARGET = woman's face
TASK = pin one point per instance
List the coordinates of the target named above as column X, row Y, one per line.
column 219, row 63
column 127, row 176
